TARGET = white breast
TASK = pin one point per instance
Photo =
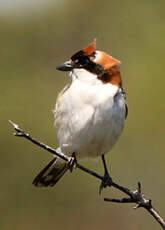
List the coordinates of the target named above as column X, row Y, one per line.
column 89, row 116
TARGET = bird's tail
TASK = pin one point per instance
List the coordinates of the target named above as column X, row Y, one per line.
column 51, row 174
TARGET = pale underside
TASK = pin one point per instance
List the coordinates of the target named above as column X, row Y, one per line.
column 89, row 115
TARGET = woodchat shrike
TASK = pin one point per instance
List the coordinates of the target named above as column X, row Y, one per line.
column 90, row 112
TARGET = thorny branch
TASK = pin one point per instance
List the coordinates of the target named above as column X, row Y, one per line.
column 136, row 196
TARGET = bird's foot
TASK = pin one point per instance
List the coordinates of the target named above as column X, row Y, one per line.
column 72, row 163
column 106, row 181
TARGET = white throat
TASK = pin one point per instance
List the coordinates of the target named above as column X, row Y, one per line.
column 85, row 77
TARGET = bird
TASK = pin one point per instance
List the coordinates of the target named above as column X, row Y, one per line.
column 89, row 114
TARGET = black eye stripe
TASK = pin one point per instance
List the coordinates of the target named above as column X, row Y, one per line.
column 82, row 61
column 77, row 55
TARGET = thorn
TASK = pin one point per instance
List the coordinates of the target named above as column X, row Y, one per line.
column 139, row 187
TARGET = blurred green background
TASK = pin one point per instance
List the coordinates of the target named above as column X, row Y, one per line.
column 35, row 36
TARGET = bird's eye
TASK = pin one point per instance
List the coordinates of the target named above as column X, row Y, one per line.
column 76, row 61
column 83, row 61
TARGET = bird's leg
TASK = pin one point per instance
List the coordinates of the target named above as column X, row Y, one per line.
column 72, row 163
column 107, row 180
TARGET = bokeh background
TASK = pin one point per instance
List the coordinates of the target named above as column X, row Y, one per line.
column 35, row 36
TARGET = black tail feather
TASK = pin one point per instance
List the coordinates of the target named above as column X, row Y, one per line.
column 51, row 174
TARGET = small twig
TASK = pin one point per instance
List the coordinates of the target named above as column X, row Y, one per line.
column 134, row 196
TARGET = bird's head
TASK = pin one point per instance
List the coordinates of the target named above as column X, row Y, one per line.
column 96, row 62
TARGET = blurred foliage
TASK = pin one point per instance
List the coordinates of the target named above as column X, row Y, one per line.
column 32, row 44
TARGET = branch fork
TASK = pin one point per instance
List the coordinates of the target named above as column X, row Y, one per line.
column 135, row 197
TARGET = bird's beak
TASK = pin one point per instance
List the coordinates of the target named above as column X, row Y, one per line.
column 66, row 66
